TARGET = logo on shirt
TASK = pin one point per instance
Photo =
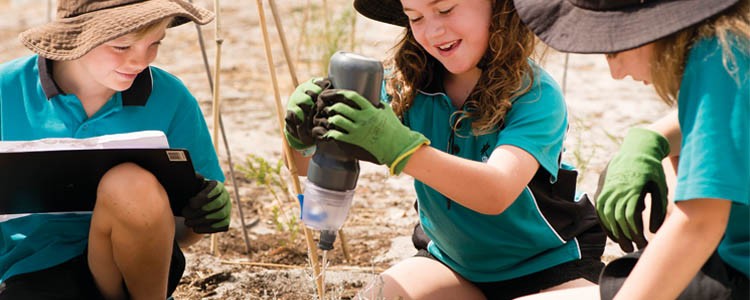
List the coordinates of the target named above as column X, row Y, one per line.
column 483, row 154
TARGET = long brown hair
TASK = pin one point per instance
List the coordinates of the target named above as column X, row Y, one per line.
column 506, row 72
column 731, row 28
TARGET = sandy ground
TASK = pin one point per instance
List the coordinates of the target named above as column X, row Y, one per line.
column 381, row 219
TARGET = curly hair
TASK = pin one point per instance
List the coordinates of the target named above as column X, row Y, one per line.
column 731, row 28
column 506, row 71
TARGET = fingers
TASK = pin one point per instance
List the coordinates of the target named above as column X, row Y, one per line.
column 359, row 101
column 658, row 205
column 320, row 129
column 201, row 198
column 323, row 83
column 615, row 234
column 607, row 212
column 222, row 213
column 311, row 85
column 343, row 109
column 625, row 244
column 350, row 98
column 219, row 197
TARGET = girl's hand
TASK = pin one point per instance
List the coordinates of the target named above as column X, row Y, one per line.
column 300, row 113
column 375, row 133
column 633, row 172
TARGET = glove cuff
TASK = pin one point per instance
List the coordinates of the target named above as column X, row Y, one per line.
column 399, row 163
column 648, row 141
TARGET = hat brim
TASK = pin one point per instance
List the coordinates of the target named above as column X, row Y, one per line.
column 569, row 28
column 386, row 11
column 71, row 38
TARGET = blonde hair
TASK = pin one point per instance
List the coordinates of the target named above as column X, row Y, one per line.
column 506, row 71
column 731, row 28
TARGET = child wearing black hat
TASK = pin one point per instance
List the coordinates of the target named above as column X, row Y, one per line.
column 91, row 76
column 480, row 126
column 697, row 55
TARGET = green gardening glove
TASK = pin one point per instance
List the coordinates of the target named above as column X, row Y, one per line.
column 633, row 172
column 210, row 209
column 352, row 119
column 300, row 112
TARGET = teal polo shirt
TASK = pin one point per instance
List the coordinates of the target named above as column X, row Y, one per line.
column 32, row 107
column 519, row 241
column 714, row 115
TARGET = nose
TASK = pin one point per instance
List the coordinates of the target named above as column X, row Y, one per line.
column 435, row 28
column 615, row 68
column 140, row 59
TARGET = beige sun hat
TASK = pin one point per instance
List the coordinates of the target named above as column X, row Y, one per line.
column 82, row 25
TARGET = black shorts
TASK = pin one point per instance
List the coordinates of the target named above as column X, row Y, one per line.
column 715, row 280
column 73, row 280
column 587, row 268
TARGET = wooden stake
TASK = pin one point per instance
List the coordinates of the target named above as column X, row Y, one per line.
column 311, row 250
column 235, row 187
column 295, row 82
column 284, row 46
column 217, row 100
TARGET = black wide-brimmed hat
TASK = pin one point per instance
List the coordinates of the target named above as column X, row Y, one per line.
column 386, row 11
column 608, row 26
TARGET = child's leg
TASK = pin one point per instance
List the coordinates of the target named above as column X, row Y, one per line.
column 131, row 236
column 420, row 278
column 575, row 283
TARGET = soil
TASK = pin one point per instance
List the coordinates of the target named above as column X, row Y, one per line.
column 381, row 219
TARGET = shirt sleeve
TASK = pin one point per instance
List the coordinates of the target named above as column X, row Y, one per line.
column 537, row 123
column 189, row 131
column 714, row 113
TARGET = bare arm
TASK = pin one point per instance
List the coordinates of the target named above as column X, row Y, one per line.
column 669, row 127
column 680, row 248
column 184, row 235
column 487, row 188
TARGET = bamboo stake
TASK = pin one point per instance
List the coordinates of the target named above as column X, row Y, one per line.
column 217, row 100
column 226, row 141
column 311, row 250
column 284, row 46
column 344, row 246
column 295, row 82
column 303, row 31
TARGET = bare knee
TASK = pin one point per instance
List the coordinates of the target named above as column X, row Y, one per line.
column 132, row 194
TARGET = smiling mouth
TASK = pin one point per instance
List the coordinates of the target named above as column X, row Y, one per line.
column 448, row 46
column 127, row 75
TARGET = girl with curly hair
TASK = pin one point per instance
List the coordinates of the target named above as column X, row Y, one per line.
column 480, row 126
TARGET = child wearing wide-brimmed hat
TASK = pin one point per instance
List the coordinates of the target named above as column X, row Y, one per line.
column 480, row 126
column 696, row 53
column 90, row 76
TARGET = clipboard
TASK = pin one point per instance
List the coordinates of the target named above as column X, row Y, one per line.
column 67, row 180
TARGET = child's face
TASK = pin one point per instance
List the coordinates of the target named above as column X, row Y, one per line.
column 455, row 32
column 115, row 64
column 635, row 63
